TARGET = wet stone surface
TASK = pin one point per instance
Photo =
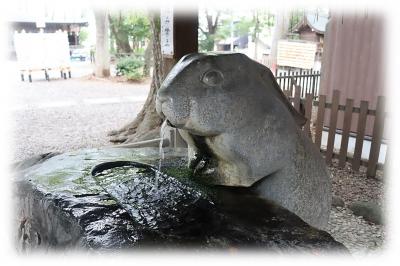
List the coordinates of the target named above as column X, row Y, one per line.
column 60, row 205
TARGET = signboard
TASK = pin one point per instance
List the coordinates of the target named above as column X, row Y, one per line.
column 167, row 32
column 42, row 50
column 296, row 54
column 40, row 24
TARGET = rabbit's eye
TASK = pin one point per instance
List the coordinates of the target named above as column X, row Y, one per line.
column 212, row 78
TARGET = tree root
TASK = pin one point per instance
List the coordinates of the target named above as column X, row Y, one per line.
column 147, row 123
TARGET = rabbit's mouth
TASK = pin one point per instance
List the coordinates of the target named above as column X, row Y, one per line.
column 170, row 124
column 176, row 124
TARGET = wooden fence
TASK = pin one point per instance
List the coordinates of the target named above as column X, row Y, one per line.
column 307, row 80
column 305, row 105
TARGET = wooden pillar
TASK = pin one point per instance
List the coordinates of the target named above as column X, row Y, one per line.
column 353, row 60
column 179, row 35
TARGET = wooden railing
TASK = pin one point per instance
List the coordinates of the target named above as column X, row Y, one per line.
column 305, row 105
column 308, row 81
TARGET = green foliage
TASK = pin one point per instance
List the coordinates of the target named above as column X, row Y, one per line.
column 138, row 26
column 253, row 24
column 223, row 30
column 140, row 51
column 186, row 176
column 265, row 20
column 206, row 43
column 295, row 17
column 131, row 67
column 112, row 46
column 241, row 26
column 130, row 27
column 83, row 35
column 135, row 75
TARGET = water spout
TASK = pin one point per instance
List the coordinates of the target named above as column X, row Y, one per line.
column 161, row 151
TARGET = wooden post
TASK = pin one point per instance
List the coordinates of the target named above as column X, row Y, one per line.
column 362, row 119
column 308, row 111
column 296, row 100
column 346, row 132
column 314, row 78
column 319, row 124
column 284, row 80
column 287, row 94
column 184, row 38
column 280, row 81
column 377, row 133
column 184, row 35
column 307, row 80
column 332, row 127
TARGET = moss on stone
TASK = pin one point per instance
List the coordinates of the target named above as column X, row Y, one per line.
column 109, row 202
column 53, row 179
column 81, row 179
column 185, row 175
column 56, row 179
column 179, row 172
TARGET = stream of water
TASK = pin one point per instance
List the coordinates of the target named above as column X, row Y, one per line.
column 161, row 150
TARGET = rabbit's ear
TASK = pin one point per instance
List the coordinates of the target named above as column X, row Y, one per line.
column 269, row 78
column 192, row 56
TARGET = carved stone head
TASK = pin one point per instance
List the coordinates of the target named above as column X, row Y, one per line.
column 231, row 111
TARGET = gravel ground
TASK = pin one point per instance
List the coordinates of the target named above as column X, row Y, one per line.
column 64, row 115
column 358, row 235
column 66, row 129
column 352, row 186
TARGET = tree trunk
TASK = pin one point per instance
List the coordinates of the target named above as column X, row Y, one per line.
column 280, row 31
column 147, row 123
column 148, row 58
column 123, row 45
column 211, row 29
column 102, row 56
column 121, row 37
column 122, row 41
column 256, row 33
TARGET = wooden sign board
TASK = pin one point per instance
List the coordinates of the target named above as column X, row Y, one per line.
column 42, row 50
column 167, row 32
column 40, row 24
column 296, row 54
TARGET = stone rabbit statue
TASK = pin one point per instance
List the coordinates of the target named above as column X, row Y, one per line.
column 230, row 110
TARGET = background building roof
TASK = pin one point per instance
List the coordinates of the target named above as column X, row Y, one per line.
column 315, row 21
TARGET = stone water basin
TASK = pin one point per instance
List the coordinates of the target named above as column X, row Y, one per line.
column 60, row 205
